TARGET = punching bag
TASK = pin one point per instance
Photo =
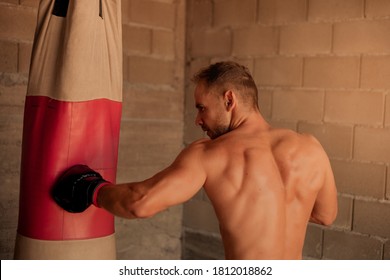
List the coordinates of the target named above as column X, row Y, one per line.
column 72, row 116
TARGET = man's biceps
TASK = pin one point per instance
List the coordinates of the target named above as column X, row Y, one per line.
column 191, row 173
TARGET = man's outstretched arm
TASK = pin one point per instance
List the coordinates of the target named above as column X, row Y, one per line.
column 173, row 185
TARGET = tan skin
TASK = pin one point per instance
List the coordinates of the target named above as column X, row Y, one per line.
column 265, row 184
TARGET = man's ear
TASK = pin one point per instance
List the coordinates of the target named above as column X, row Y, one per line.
column 230, row 100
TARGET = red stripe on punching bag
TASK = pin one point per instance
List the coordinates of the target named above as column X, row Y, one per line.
column 57, row 135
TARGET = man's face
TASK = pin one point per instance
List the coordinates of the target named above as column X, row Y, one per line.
column 212, row 115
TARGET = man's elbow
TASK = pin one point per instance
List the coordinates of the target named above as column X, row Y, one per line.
column 141, row 211
column 141, row 214
column 325, row 220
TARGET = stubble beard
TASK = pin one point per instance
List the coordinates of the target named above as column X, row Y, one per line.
column 218, row 131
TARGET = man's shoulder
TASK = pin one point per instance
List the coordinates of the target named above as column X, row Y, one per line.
column 209, row 150
column 199, row 144
column 285, row 139
column 196, row 147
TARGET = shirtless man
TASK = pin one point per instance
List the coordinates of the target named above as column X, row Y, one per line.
column 264, row 183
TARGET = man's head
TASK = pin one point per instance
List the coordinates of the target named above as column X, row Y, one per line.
column 228, row 75
column 222, row 88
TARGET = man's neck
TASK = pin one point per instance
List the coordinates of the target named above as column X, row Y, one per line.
column 249, row 119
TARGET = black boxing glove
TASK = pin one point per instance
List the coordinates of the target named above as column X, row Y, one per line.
column 76, row 189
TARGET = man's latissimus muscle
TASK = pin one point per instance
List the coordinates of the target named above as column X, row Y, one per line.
column 304, row 168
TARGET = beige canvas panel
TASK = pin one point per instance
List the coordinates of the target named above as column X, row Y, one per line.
column 78, row 57
column 89, row 249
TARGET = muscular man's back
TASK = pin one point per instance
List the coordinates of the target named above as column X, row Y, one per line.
column 263, row 185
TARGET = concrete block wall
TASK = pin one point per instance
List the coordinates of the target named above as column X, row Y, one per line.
column 152, row 120
column 17, row 25
column 322, row 67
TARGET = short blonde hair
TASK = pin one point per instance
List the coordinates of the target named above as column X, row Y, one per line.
column 222, row 75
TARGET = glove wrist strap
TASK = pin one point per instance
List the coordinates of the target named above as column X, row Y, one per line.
column 95, row 193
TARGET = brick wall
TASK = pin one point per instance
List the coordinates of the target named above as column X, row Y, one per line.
column 322, row 67
column 152, row 120
column 17, row 25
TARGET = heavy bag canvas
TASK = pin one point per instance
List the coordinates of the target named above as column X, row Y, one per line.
column 72, row 116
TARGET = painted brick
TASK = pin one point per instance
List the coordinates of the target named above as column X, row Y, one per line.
column 8, row 56
column 160, row 234
column 11, row 127
column 24, row 57
column 146, row 70
column 195, row 66
column 372, row 217
column 355, row 107
column 284, row 124
column 10, row 1
column 387, row 111
column 17, row 23
column 306, row 38
column 126, row 10
column 364, row 179
column 10, row 174
column 140, row 154
column 136, row 39
column 163, row 43
column 247, row 62
column 179, row 42
column 255, row 40
column 200, row 13
column 298, row 105
column 152, row 104
column 388, row 184
column 191, row 131
column 265, row 102
column 211, row 42
column 13, row 94
column 30, row 3
column 375, row 72
column 377, row 8
column 200, row 195
column 386, row 253
column 344, row 214
column 9, row 218
column 330, row 10
column 125, row 69
column 331, row 72
column 234, row 12
column 336, row 139
column 168, row 1
column 202, row 246
column 362, row 37
column 372, row 144
column 339, row 245
column 159, row 14
column 281, row 11
column 312, row 247
column 200, row 215
column 278, row 71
